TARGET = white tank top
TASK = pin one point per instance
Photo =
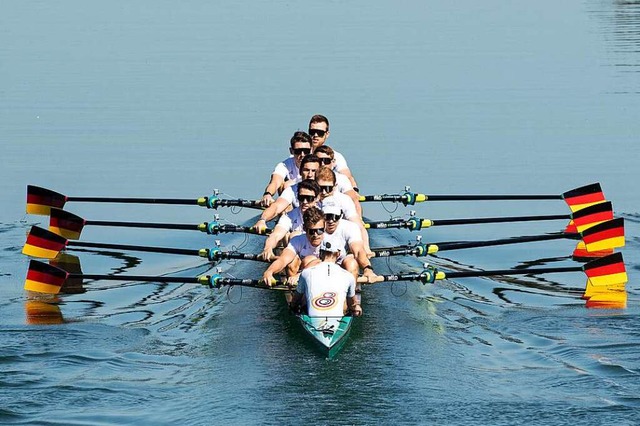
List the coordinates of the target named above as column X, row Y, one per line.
column 326, row 287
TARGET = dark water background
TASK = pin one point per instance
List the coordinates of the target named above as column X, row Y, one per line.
column 168, row 99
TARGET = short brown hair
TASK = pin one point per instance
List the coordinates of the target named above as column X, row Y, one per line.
column 325, row 149
column 319, row 119
column 300, row 136
column 312, row 215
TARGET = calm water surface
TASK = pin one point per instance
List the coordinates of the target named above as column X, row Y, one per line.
column 164, row 100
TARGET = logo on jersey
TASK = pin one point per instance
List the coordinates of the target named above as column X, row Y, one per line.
column 324, row 302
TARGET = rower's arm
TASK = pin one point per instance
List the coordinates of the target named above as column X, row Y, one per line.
column 279, row 232
column 271, row 212
column 360, row 254
column 348, row 174
column 363, row 231
column 279, row 264
column 272, row 188
column 355, row 197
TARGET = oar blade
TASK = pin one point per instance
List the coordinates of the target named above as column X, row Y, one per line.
column 604, row 236
column 606, row 271
column 42, row 243
column 43, row 278
column 611, row 299
column 65, row 224
column 40, row 200
column 592, row 215
column 584, row 196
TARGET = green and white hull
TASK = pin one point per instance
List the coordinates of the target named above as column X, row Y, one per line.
column 329, row 333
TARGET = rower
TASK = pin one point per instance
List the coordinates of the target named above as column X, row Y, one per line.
column 288, row 169
column 308, row 168
column 291, row 224
column 326, row 155
column 319, row 132
column 345, row 235
column 301, row 249
column 326, row 178
column 326, row 288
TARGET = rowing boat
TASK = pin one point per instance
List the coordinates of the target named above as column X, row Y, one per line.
column 592, row 223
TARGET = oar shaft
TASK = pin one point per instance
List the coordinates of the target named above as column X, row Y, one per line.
column 491, row 197
column 472, row 221
column 177, row 226
column 392, row 251
column 170, row 250
column 141, row 278
column 506, row 241
column 127, row 200
column 512, row 272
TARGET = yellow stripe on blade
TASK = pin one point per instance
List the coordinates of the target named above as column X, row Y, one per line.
column 34, row 251
column 68, row 234
column 609, row 280
column 591, row 289
column 577, row 207
column 39, row 287
column 38, row 209
column 609, row 243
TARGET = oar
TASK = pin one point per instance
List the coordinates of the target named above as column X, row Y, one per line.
column 46, row 244
column 41, row 200
column 582, row 219
column 576, row 198
column 44, row 278
column 604, row 236
column 606, row 278
column 70, row 225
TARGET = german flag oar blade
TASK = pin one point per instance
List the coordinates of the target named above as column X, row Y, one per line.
column 592, row 215
column 40, row 200
column 604, row 236
column 44, row 278
column 606, row 271
column 584, row 196
column 66, row 224
column 43, row 243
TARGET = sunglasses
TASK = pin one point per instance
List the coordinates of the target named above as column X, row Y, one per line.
column 326, row 188
column 301, row 151
column 317, row 132
column 330, row 217
column 325, row 160
column 306, row 198
column 315, row 231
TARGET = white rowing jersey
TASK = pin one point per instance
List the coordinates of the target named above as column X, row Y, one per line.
column 292, row 221
column 290, row 193
column 343, row 184
column 344, row 202
column 287, row 169
column 326, row 287
column 346, row 233
column 301, row 246
column 340, row 162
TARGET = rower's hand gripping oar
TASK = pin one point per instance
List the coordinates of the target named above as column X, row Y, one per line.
column 603, row 236
column 606, row 278
column 46, row 244
column 576, row 198
column 41, row 200
column 70, row 225
column 580, row 219
column 44, row 278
